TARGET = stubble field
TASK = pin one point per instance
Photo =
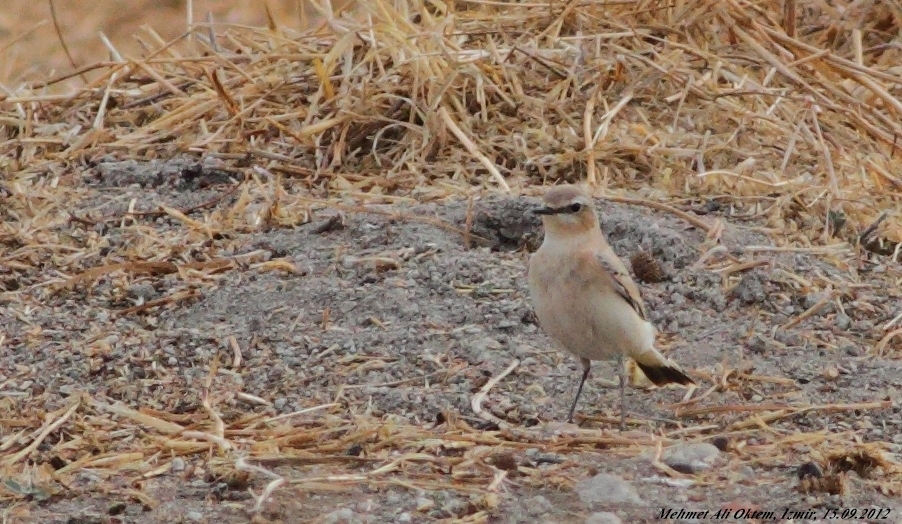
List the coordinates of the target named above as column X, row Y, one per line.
column 277, row 274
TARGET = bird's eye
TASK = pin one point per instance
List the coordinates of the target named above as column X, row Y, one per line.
column 575, row 207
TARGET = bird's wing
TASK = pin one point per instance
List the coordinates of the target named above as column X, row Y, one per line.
column 617, row 277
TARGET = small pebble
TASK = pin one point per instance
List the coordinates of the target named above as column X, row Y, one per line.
column 340, row 516
column 691, row 458
column 141, row 292
column 485, row 345
column 604, row 489
column 750, row 289
column 194, row 515
column 603, row 517
column 721, row 443
column 813, row 299
column 851, row 351
column 843, row 322
column 746, row 472
column 537, row 506
column 178, row 464
column 424, row 504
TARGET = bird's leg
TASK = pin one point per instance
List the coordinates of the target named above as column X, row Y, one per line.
column 587, row 365
column 623, row 378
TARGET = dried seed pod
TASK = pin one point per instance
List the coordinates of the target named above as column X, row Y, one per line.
column 813, row 479
column 647, row 268
column 834, row 484
column 504, row 461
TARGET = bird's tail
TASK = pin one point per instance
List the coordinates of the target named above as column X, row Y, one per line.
column 657, row 370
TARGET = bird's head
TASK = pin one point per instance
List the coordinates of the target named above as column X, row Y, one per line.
column 567, row 211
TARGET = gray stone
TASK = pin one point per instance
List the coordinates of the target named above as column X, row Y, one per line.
column 340, row 516
column 690, row 458
column 812, row 299
column 603, row 517
column 142, row 292
column 424, row 503
column 603, row 489
column 537, row 506
column 483, row 347
column 750, row 289
column 178, row 464
column 843, row 322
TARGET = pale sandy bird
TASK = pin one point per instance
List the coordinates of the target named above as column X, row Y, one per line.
column 585, row 299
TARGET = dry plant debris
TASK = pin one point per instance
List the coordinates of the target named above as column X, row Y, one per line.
column 713, row 111
column 646, row 267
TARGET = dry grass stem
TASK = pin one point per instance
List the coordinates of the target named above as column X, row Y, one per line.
column 479, row 397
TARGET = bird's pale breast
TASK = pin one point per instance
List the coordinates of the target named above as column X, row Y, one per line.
column 576, row 307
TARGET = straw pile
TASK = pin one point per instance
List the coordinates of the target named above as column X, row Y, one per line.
column 794, row 118
column 787, row 111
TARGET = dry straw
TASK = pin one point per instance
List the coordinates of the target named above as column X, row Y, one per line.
column 787, row 111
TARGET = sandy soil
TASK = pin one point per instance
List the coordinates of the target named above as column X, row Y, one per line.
column 398, row 323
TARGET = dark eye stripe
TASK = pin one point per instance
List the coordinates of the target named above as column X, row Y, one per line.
column 575, row 207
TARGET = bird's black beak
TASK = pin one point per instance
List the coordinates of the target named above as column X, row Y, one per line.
column 543, row 210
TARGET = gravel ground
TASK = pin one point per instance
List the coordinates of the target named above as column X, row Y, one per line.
column 397, row 321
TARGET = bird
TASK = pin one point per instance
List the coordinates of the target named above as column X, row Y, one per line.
column 585, row 299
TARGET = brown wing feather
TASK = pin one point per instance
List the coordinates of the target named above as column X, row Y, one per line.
column 624, row 285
